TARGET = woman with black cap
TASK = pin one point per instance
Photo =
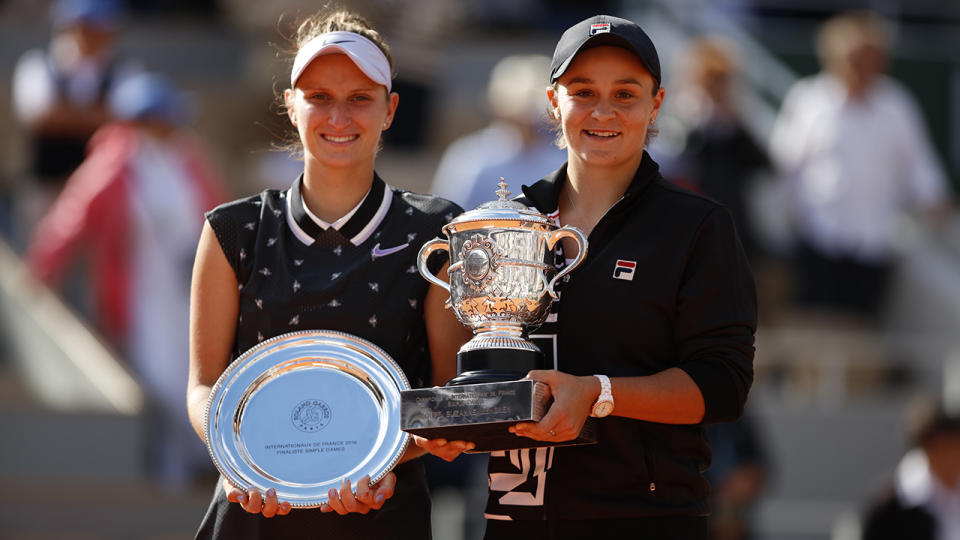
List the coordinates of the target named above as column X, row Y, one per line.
column 334, row 251
column 653, row 333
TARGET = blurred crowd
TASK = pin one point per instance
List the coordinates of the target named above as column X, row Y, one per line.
column 108, row 205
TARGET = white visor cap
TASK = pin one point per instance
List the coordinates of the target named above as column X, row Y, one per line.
column 364, row 53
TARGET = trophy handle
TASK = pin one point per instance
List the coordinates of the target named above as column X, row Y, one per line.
column 576, row 234
column 437, row 244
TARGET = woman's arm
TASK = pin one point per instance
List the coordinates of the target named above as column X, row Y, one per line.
column 667, row 397
column 445, row 335
column 214, row 308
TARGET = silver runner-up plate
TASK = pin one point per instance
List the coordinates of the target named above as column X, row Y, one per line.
column 303, row 411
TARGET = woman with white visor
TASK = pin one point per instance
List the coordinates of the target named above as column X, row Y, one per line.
column 313, row 257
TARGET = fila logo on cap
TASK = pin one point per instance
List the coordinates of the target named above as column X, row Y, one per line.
column 599, row 28
column 624, row 269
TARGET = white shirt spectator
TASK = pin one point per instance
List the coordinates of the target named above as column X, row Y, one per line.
column 916, row 486
column 854, row 166
column 473, row 164
column 36, row 89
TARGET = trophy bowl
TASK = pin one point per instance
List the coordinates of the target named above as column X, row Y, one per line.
column 502, row 284
column 502, row 279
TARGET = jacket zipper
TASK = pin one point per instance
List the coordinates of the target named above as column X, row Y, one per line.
column 648, row 460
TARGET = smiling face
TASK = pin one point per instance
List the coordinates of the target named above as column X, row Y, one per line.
column 605, row 101
column 339, row 112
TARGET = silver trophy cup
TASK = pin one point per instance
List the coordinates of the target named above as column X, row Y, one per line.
column 502, row 283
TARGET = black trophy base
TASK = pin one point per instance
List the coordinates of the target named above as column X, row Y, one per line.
column 481, row 413
column 495, row 365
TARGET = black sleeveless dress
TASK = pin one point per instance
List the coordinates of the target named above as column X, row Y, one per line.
column 361, row 279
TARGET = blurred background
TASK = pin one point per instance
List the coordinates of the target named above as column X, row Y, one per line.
column 855, row 331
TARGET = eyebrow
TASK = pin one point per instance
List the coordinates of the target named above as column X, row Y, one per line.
column 322, row 88
column 587, row 80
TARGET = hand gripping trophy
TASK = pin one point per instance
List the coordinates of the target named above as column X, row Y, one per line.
column 502, row 280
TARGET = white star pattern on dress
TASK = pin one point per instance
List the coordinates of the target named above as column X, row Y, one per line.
column 409, row 211
column 259, row 336
column 448, row 217
column 412, row 269
column 373, row 321
column 265, row 271
column 251, row 226
column 334, row 303
column 277, row 212
column 296, row 285
column 374, row 286
column 338, row 250
column 295, row 320
column 411, row 236
column 298, row 262
column 243, row 254
column 413, row 302
column 259, row 303
column 271, row 241
column 334, row 275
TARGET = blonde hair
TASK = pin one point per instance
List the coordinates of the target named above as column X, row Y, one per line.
column 844, row 33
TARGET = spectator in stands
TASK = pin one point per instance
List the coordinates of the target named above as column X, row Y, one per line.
column 516, row 145
column 923, row 500
column 720, row 157
column 852, row 145
column 61, row 97
column 136, row 204
column 737, row 475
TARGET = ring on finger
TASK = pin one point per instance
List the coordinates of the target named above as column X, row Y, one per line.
column 553, row 433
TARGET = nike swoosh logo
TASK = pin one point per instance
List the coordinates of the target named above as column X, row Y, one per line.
column 377, row 252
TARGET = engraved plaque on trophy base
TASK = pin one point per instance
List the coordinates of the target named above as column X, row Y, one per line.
column 482, row 414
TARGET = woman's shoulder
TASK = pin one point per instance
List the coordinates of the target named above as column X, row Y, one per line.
column 426, row 204
column 249, row 206
column 681, row 203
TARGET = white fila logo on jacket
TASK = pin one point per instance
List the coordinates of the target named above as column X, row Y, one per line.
column 624, row 269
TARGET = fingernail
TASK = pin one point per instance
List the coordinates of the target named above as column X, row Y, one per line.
column 332, row 493
column 271, row 492
column 242, row 499
column 379, row 498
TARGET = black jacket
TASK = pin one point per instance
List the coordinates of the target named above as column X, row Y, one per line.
column 691, row 304
column 889, row 518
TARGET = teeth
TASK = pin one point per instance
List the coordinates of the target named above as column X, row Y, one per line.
column 332, row 138
column 603, row 133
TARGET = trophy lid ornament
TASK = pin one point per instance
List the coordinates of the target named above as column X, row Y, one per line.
column 500, row 212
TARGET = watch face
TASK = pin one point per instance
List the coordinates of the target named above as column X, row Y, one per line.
column 602, row 408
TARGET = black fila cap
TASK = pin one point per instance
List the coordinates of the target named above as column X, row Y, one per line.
column 604, row 30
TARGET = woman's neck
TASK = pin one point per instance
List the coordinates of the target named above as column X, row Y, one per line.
column 591, row 190
column 330, row 193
